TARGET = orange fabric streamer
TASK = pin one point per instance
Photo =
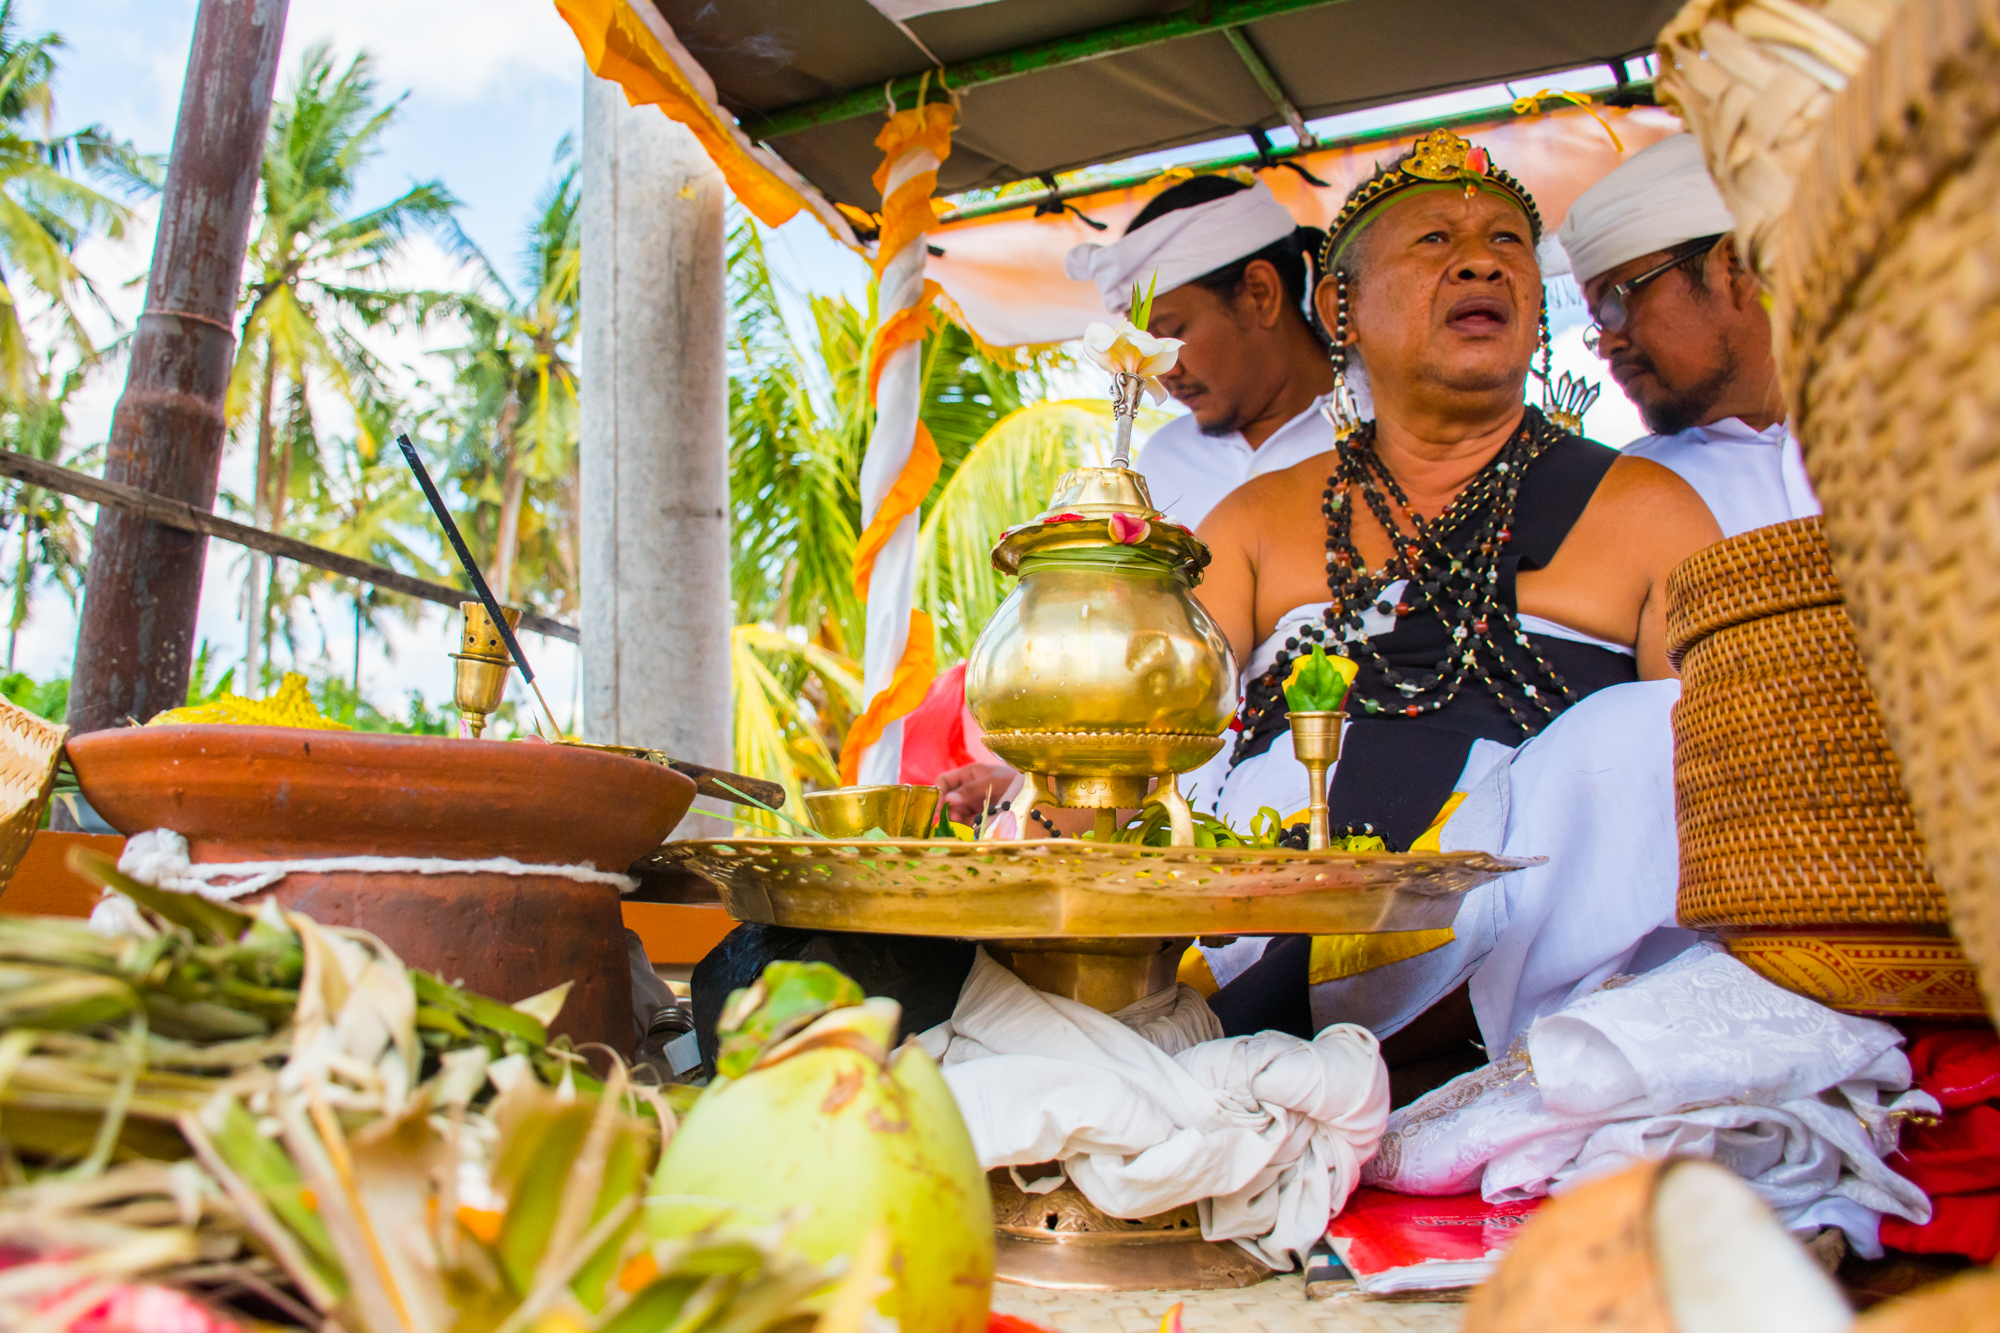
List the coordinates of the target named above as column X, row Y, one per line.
column 907, row 688
column 617, row 46
column 918, row 476
column 905, row 326
column 910, row 212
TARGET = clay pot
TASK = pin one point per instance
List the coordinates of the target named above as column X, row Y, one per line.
column 1660, row 1247
column 280, row 793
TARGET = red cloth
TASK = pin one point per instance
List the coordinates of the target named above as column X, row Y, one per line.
column 939, row 733
column 1956, row 1161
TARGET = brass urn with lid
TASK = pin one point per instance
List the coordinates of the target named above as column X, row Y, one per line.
column 1100, row 672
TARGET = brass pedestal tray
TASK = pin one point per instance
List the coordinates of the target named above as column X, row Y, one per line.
column 1103, row 924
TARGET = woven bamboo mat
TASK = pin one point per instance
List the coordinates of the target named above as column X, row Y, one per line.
column 1276, row 1306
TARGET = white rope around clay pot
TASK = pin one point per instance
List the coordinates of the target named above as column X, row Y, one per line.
column 160, row 858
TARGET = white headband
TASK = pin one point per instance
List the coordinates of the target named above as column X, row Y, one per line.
column 1654, row 200
column 1182, row 245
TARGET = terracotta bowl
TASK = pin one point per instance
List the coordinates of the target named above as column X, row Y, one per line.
column 279, row 793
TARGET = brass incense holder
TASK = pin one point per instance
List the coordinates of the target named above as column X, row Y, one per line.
column 1100, row 677
column 1316, row 741
column 483, row 664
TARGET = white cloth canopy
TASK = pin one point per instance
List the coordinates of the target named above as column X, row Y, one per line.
column 1177, row 247
column 1147, row 1111
column 1700, row 1056
column 1748, row 478
column 1654, row 200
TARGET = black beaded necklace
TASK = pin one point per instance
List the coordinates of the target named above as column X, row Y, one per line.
column 1452, row 565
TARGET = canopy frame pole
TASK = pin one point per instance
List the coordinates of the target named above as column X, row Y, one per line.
column 1194, row 21
column 1631, row 94
column 1267, row 79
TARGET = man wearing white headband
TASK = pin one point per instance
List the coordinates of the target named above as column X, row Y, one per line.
column 1682, row 322
column 1225, row 263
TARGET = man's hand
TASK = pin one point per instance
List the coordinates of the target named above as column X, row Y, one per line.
column 973, row 789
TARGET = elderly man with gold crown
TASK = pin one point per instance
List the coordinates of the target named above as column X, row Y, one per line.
column 1501, row 583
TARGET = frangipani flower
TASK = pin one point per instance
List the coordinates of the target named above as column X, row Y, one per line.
column 1126, row 349
column 1127, row 530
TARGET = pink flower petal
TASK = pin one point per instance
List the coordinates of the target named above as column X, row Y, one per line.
column 1129, row 531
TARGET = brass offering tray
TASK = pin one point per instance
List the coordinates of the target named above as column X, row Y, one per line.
column 1104, row 924
column 1069, row 889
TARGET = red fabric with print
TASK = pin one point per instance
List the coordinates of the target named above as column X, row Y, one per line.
column 1957, row 1161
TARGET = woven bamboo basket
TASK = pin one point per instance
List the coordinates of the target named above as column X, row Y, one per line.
column 1888, row 320
column 30, row 750
column 1798, row 845
column 1753, row 79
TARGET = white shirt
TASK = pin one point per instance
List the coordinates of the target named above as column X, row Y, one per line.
column 1748, row 478
column 1188, row 473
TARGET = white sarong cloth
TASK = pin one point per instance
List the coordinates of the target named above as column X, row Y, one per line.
column 1701, row 1057
column 1267, row 1133
column 1594, row 794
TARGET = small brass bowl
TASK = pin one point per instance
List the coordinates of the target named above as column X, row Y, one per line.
column 849, row 812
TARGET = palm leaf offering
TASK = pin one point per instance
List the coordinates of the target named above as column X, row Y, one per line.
column 223, row 1121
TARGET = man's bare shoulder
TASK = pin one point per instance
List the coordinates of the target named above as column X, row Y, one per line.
column 1645, row 500
column 1258, row 498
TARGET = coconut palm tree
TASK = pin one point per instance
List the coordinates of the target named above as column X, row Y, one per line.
column 320, row 281
column 514, row 450
column 49, row 534
column 44, row 210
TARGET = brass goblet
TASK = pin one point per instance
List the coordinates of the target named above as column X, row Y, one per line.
column 849, row 812
column 1316, row 741
column 481, row 676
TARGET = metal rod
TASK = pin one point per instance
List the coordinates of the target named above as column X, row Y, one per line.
column 1267, row 79
column 1118, row 37
column 1083, row 189
column 472, row 573
column 184, row 517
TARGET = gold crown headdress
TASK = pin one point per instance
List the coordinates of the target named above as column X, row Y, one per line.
column 1439, row 158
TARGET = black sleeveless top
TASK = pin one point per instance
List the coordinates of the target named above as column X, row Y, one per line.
column 1396, row 772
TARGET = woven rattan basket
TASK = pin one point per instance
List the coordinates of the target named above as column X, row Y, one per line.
column 30, row 749
column 1797, row 843
column 1753, row 79
column 1888, row 322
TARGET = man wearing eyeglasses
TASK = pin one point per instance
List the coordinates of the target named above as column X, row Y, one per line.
column 1682, row 323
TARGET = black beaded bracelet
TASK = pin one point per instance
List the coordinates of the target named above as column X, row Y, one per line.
column 1036, row 815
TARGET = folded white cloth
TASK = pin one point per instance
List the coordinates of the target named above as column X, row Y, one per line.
column 1268, row 1134
column 1700, row 1056
column 1178, row 247
column 1654, row 200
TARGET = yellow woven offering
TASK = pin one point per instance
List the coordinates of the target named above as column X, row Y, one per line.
column 291, row 706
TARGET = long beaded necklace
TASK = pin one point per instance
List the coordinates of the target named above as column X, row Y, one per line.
column 1451, row 565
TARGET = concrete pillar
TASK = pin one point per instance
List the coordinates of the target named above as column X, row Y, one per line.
column 654, row 446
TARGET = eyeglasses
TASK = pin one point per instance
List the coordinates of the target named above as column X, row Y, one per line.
column 1613, row 311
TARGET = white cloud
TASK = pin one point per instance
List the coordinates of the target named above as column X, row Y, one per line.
column 453, row 50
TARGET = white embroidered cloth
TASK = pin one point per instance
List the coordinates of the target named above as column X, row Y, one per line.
column 1700, row 1056
column 1268, row 1133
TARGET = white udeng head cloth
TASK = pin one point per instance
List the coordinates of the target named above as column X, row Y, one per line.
column 1182, row 245
column 1654, row 200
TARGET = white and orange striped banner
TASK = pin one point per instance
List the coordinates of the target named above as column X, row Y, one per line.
column 899, row 658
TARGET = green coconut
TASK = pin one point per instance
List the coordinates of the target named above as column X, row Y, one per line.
column 827, row 1133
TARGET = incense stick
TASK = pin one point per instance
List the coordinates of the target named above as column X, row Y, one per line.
column 484, row 593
